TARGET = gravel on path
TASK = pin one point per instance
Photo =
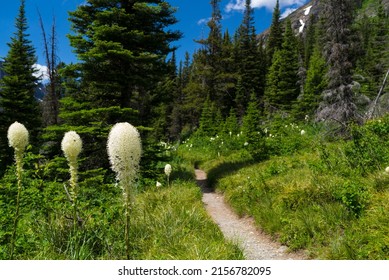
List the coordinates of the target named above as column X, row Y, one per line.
column 255, row 244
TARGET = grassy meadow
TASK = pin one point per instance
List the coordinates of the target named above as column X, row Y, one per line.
column 314, row 193
column 166, row 222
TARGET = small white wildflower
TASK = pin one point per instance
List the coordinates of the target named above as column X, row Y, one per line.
column 302, row 132
column 168, row 169
column 17, row 136
column 270, row 135
column 158, row 184
column 191, row 145
column 230, row 133
column 286, row 126
column 265, row 130
column 246, row 143
column 387, row 169
column 306, row 117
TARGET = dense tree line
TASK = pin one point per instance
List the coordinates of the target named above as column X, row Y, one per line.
column 329, row 72
column 127, row 71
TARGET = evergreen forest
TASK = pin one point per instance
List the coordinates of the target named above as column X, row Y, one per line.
column 291, row 125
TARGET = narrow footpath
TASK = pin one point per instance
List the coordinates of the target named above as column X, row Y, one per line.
column 255, row 244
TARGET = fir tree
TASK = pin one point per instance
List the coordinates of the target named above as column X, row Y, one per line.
column 282, row 81
column 314, row 86
column 18, row 86
column 275, row 36
column 338, row 101
column 251, row 66
column 252, row 131
column 122, row 48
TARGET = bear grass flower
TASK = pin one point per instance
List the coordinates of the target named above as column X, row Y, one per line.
column 124, row 151
column 17, row 135
column 168, row 171
column 71, row 146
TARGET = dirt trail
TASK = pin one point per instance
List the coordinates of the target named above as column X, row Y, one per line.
column 256, row 245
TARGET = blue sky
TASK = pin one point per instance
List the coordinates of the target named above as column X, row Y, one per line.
column 192, row 16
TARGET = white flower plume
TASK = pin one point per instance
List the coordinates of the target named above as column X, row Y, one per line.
column 17, row 136
column 124, row 151
column 168, row 169
column 71, row 145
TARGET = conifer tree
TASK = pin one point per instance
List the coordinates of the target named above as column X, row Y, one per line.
column 231, row 125
column 314, row 86
column 375, row 42
column 338, row 101
column 18, row 86
column 252, row 131
column 121, row 47
column 282, row 81
column 275, row 36
column 251, row 66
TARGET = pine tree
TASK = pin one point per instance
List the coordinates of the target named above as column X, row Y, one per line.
column 251, row 65
column 314, row 86
column 375, row 42
column 338, row 102
column 231, row 125
column 252, row 131
column 282, row 81
column 18, row 86
column 121, row 47
column 275, row 36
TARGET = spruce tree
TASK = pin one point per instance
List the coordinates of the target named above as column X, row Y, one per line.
column 338, row 101
column 18, row 86
column 275, row 36
column 282, row 81
column 251, row 64
column 121, row 47
column 314, row 86
column 252, row 131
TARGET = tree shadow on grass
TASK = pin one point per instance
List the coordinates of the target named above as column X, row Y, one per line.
column 226, row 169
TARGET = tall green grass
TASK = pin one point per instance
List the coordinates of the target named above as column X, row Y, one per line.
column 329, row 198
column 166, row 222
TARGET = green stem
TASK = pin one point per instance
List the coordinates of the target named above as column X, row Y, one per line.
column 127, row 197
column 19, row 163
column 73, row 165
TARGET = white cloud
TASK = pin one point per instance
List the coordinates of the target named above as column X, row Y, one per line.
column 287, row 12
column 41, row 72
column 203, row 21
column 238, row 5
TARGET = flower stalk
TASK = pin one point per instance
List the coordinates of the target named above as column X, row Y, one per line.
column 17, row 139
column 71, row 145
column 124, row 151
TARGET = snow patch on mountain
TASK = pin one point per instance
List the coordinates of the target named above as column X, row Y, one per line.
column 307, row 10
